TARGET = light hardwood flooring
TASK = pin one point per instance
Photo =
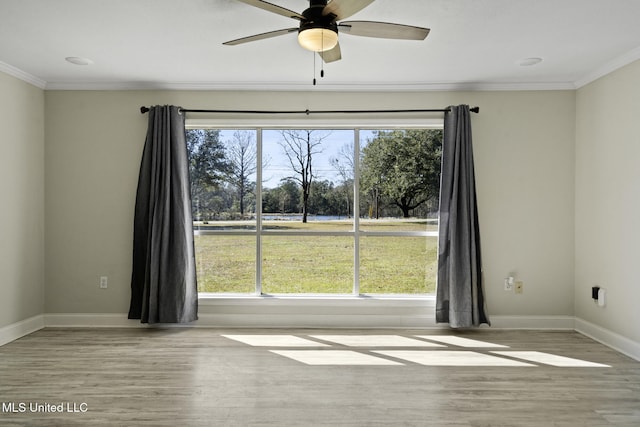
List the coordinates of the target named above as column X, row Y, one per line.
column 209, row 377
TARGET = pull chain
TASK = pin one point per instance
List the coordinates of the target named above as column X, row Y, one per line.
column 314, row 69
column 322, row 63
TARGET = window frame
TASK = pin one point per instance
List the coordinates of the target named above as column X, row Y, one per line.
column 259, row 125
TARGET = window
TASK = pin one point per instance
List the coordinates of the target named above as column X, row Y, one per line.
column 315, row 211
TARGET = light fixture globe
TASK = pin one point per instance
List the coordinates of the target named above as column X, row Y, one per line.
column 318, row 39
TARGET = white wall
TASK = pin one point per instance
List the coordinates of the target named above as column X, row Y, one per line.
column 608, row 201
column 22, row 200
column 524, row 144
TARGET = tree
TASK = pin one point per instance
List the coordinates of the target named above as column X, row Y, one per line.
column 403, row 166
column 324, row 199
column 299, row 146
column 242, row 155
column 208, row 169
column 282, row 199
column 345, row 167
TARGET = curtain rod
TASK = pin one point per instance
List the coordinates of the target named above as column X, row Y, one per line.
column 307, row 112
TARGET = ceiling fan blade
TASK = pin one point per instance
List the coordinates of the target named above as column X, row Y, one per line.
column 261, row 36
column 384, row 30
column 331, row 55
column 345, row 8
column 273, row 8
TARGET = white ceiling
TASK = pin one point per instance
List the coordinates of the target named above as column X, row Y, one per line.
column 177, row 44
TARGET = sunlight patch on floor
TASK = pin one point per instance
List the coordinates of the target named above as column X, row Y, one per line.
column 390, row 350
column 275, row 341
column 334, row 357
column 460, row 341
column 451, row 358
column 375, row 341
column 550, row 359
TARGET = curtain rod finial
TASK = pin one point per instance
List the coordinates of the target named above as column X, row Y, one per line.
column 144, row 109
column 475, row 109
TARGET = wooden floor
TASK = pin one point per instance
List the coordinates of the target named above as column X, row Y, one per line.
column 210, row 377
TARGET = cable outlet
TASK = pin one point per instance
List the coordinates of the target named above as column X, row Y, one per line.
column 519, row 287
column 104, row 282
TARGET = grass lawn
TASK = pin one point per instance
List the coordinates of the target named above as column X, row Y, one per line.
column 320, row 264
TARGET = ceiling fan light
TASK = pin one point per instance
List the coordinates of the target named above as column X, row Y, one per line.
column 318, row 39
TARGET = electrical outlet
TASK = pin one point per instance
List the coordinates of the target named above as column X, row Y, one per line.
column 104, row 282
column 519, row 287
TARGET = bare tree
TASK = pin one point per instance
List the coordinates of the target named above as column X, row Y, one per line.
column 299, row 146
column 345, row 166
column 242, row 156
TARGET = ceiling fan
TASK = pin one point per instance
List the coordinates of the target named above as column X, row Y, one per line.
column 319, row 26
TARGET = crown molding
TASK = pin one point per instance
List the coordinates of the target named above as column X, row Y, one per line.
column 19, row 74
column 329, row 87
column 611, row 66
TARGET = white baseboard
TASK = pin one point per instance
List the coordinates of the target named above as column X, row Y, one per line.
column 90, row 320
column 208, row 320
column 318, row 321
column 335, row 315
column 336, row 319
column 344, row 312
column 611, row 339
column 20, row 329
column 561, row 323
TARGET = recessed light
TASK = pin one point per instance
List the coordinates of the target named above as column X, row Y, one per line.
column 78, row 61
column 527, row 62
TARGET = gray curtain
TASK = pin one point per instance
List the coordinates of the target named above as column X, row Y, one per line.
column 459, row 293
column 163, row 281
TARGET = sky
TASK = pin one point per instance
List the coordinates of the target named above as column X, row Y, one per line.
column 278, row 166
